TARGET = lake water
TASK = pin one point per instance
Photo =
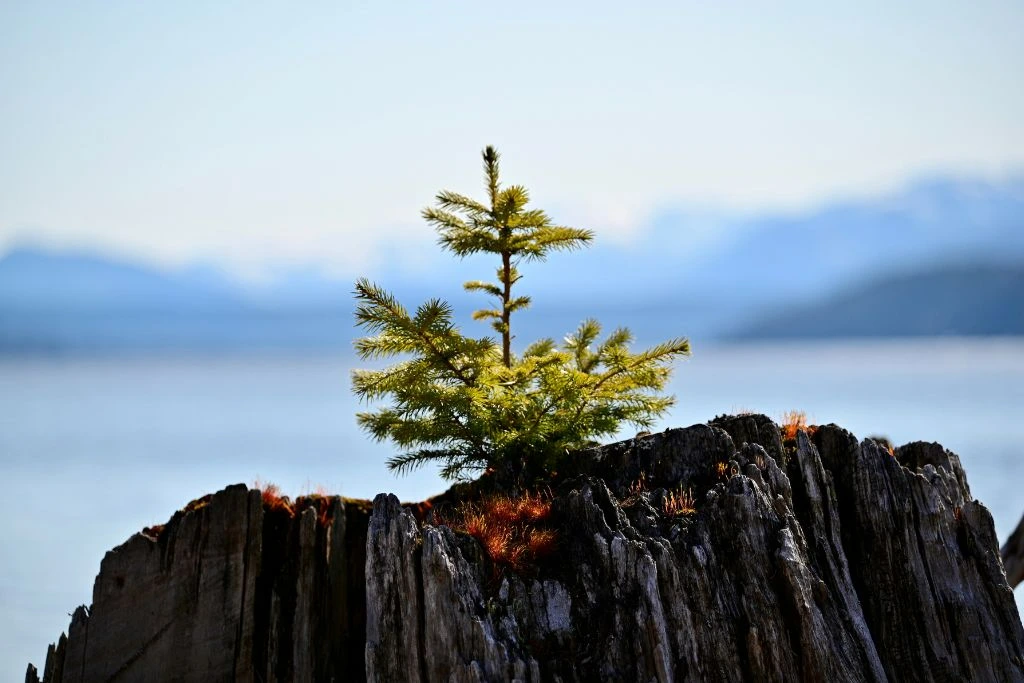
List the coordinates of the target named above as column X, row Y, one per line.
column 94, row 449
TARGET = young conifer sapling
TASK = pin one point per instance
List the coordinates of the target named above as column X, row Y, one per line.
column 473, row 404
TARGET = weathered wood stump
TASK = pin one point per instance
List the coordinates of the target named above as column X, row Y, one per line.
column 819, row 558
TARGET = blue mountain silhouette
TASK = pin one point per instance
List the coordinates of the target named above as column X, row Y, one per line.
column 659, row 285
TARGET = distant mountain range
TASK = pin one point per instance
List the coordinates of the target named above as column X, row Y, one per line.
column 34, row 280
column 940, row 257
column 55, row 302
column 950, row 300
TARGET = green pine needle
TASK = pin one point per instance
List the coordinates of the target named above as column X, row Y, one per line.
column 470, row 404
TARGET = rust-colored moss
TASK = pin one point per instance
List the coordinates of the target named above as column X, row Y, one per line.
column 273, row 501
column 511, row 530
column 198, row 503
column 680, row 503
column 541, row 542
column 156, row 530
column 320, row 500
column 153, row 531
column 637, row 487
column 795, row 421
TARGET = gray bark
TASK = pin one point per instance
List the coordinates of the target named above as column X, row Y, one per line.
column 228, row 592
column 820, row 559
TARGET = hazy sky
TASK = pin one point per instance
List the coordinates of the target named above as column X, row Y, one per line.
column 249, row 132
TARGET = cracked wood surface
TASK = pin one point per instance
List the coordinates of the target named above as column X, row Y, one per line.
column 821, row 558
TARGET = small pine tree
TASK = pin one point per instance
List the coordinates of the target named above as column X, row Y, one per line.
column 474, row 405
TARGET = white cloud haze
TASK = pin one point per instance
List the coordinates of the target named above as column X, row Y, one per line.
column 248, row 135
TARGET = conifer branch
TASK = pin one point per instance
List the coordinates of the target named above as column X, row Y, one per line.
column 471, row 403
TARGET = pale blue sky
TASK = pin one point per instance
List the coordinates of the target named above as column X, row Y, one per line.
column 248, row 133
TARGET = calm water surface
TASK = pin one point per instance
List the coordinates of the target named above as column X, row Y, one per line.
column 93, row 449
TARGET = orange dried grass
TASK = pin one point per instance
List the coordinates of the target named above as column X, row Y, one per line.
column 680, row 503
column 506, row 528
column 476, row 524
column 533, row 508
column 273, row 501
column 795, row 421
column 496, row 542
column 153, row 531
column 637, row 487
column 541, row 542
column 321, row 503
column 724, row 470
column 198, row 503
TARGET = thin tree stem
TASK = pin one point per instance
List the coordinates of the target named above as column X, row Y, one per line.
column 506, row 312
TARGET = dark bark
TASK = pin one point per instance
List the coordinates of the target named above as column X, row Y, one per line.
column 228, row 591
column 819, row 559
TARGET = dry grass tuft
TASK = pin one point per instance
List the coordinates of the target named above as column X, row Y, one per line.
column 198, row 503
column 321, row 503
column 534, row 508
column 541, row 542
column 153, row 531
column 637, row 487
column 795, row 421
column 274, row 502
column 885, row 442
column 724, row 470
column 192, row 506
column 501, row 509
column 508, row 529
column 497, row 541
column 476, row 524
column 635, row 491
column 680, row 503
